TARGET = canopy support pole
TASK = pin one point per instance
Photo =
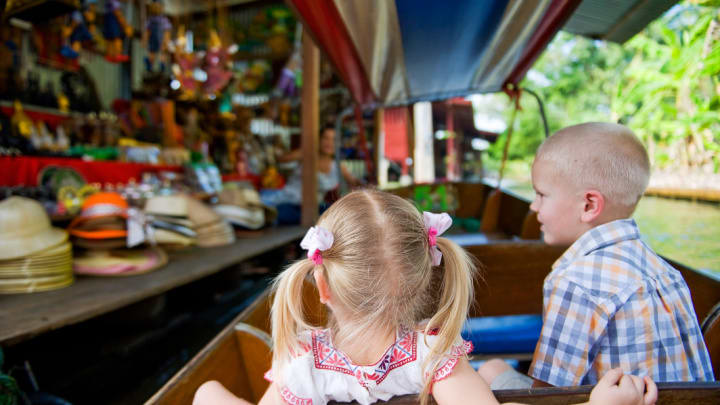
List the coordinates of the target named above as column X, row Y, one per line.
column 310, row 110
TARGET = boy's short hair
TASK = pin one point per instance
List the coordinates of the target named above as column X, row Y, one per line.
column 603, row 156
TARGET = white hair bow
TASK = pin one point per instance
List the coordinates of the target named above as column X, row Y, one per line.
column 316, row 240
column 436, row 225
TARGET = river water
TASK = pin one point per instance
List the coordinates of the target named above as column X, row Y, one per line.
column 685, row 231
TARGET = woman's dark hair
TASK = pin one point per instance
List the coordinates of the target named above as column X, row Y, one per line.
column 326, row 127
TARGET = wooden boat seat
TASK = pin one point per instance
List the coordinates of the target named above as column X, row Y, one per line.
column 510, row 217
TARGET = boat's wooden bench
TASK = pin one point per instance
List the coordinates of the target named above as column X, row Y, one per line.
column 514, row 220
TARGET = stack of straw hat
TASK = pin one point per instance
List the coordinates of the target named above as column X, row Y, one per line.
column 209, row 227
column 172, row 227
column 242, row 207
column 102, row 230
column 33, row 255
column 102, row 224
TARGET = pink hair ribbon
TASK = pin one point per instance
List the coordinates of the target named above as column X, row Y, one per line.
column 316, row 240
column 436, row 225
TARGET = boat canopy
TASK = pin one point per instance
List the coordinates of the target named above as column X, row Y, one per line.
column 397, row 52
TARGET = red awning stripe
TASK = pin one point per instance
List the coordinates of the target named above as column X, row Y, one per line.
column 324, row 23
column 555, row 17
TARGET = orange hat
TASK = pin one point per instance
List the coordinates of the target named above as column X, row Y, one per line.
column 100, row 205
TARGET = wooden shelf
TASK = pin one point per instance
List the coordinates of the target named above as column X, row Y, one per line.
column 27, row 315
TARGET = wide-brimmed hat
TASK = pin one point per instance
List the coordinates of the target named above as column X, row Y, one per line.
column 249, row 200
column 103, row 217
column 25, row 228
column 167, row 237
column 167, row 205
column 119, row 263
column 181, row 207
column 218, row 233
column 247, row 217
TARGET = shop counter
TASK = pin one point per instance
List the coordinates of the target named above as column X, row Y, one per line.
column 27, row 315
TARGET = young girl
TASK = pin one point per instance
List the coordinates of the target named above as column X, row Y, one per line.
column 382, row 269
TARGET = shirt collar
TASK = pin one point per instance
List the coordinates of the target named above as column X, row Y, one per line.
column 600, row 237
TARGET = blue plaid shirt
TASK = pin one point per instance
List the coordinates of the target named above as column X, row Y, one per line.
column 610, row 301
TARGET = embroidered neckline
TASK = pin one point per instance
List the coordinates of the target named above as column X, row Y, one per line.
column 328, row 357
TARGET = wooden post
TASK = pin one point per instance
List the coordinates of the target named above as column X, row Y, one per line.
column 381, row 164
column 310, row 126
column 451, row 168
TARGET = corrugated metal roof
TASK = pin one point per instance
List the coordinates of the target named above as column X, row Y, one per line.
column 615, row 20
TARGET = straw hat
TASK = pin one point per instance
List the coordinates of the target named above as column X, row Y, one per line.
column 201, row 214
column 249, row 199
column 48, row 270
column 243, row 197
column 103, row 217
column 248, row 217
column 166, row 237
column 25, row 228
column 167, row 205
column 119, row 263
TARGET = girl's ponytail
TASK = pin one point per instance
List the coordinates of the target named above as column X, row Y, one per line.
column 455, row 299
column 287, row 312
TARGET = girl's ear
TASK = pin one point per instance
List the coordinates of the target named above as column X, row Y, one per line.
column 322, row 285
column 594, row 204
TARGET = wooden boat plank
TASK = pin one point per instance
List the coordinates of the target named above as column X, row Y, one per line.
column 25, row 316
column 504, row 267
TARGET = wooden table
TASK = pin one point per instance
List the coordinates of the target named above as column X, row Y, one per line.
column 26, row 315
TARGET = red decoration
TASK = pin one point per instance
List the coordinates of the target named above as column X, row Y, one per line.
column 24, row 170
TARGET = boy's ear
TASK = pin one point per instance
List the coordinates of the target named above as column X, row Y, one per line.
column 594, row 204
column 322, row 285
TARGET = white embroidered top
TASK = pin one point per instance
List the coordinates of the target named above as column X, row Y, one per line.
column 322, row 373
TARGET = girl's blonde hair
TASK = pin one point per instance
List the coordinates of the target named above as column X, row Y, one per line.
column 379, row 270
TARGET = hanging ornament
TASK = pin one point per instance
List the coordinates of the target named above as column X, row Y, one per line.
column 291, row 75
column 115, row 30
column 217, row 65
column 184, row 67
column 157, row 36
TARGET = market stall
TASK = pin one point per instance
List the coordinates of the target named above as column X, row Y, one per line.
column 138, row 140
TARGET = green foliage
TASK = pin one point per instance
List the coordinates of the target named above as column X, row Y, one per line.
column 664, row 84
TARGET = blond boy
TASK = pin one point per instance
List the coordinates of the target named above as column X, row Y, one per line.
column 609, row 300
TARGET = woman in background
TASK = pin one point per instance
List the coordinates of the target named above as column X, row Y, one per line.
column 288, row 199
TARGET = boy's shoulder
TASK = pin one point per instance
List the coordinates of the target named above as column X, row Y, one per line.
column 617, row 266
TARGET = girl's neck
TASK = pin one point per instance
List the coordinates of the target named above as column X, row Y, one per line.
column 366, row 347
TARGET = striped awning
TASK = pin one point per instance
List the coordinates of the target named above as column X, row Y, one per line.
column 396, row 52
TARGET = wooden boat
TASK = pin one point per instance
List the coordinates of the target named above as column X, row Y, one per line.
column 513, row 269
column 515, row 261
